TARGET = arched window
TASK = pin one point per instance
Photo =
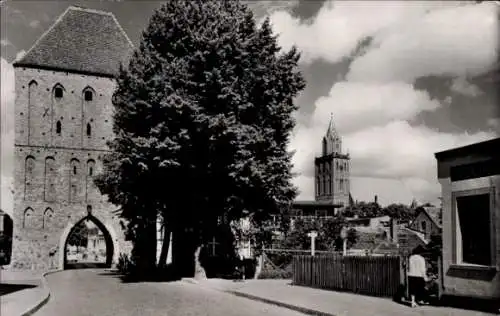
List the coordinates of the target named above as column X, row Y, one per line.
column 90, row 189
column 324, row 147
column 50, row 179
column 75, row 181
column 47, row 216
column 28, row 218
column 29, row 177
column 58, row 127
column 89, row 130
column 328, row 184
column 32, row 120
column 90, row 167
column 88, row 95
column 58, row 91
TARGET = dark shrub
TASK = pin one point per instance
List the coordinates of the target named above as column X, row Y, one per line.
column 125, row 265
column 250, row 266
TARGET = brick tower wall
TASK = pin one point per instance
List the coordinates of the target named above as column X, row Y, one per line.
column 53, row 170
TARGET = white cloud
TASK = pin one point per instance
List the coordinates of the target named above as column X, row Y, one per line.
column 397, row 155
column 263, row 8
column 360, row 105
column 339, row 26
column 372, row 108
column 494, row 124
column 450, row 41
column 35, row 24
column 5, row 42
column 20, row 54
column 7, row 97
column 462, row 86
column 398, row 150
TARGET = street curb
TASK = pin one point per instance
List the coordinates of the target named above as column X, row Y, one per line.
column 45, row 298
column 300, row 309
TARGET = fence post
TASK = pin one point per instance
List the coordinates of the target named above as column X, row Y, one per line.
column 405, row 270
column 441, row 277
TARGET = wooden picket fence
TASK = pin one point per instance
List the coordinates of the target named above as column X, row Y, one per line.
column 370, row 275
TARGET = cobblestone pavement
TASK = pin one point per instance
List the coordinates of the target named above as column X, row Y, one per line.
column 95, row 292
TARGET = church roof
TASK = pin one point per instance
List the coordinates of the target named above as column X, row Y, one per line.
column 81, row 40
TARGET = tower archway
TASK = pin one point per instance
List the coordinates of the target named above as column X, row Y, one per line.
column 88, row 244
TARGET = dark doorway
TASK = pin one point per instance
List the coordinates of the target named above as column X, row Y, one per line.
column 5, row 238
column 89, row 245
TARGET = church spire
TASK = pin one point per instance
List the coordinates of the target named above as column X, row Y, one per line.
column 331, row 141
column 331, row 131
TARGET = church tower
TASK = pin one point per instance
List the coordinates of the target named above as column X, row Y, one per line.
column 332, row 170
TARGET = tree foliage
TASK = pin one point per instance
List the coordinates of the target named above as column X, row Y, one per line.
column 397, row 211
column 202, row 119
column 329, row 235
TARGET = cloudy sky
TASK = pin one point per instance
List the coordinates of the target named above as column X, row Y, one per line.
column 402, row 79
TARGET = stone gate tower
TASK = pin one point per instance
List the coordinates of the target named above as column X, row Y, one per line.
column 63, row 108
column 332, row 170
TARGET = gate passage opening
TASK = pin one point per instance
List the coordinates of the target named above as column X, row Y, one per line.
column 89, row 245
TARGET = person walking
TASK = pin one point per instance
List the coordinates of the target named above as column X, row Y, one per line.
column 417, row 277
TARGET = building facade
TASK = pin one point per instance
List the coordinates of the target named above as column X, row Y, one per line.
column 470, row 186
column 332, row 170
column 63, row 118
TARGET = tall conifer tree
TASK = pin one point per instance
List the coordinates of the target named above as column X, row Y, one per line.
column 203, row 115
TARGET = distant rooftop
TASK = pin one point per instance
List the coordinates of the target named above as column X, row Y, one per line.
column 81, row 40
column 315, row 203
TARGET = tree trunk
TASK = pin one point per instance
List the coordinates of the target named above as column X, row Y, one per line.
column 145, row 251
column 162, row 262
column 199, row 272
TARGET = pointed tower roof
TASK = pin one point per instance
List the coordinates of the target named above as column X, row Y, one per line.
column 331, row 127
column 81, row 40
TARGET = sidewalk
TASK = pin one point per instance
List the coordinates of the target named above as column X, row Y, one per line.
column 32, row 293
column 321, row 302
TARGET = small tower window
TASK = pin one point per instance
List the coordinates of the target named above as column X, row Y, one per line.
column 89, row 130
column 74, row 169
column 91, row 171
column 88, row 95
column 58, row 127
column 58, row 92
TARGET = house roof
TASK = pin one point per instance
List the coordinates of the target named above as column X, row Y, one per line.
column 487, row 147
column 434, row 214
column 83, row 41
column 431, row 212
column 410, row 233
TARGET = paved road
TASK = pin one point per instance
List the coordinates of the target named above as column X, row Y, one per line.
column 92, row 292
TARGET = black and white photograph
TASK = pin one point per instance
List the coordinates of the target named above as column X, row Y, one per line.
column 249, row 158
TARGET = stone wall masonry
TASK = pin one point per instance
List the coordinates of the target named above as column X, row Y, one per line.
column 37, row 235
column 58, row 196
column 38, row 111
